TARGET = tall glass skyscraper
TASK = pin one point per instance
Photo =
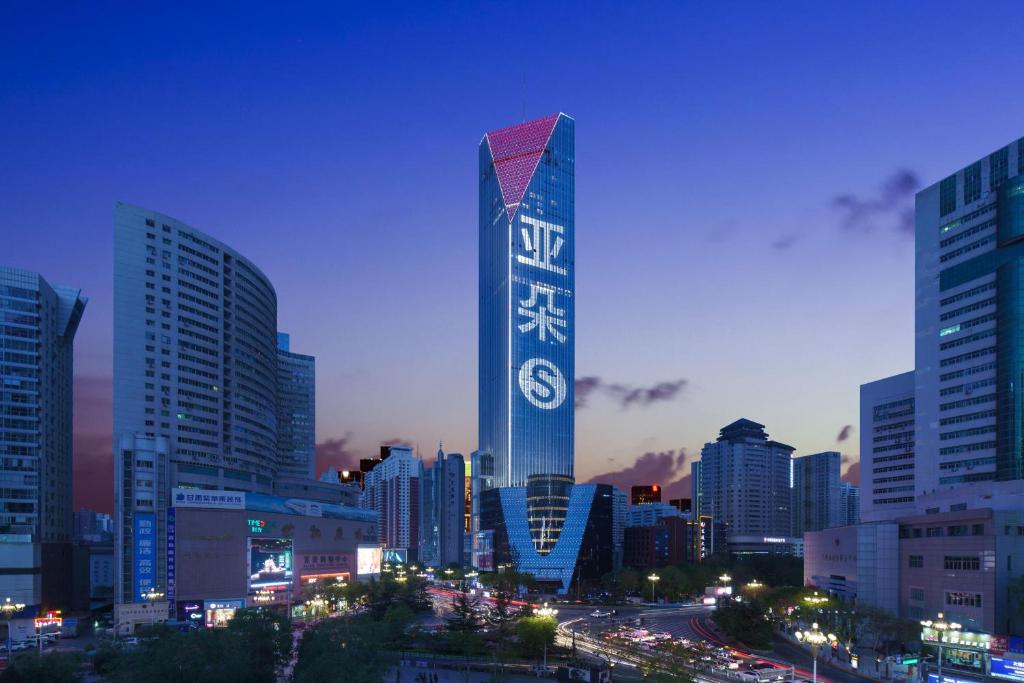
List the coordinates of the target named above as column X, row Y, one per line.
column 526, row 307
column 38, row 323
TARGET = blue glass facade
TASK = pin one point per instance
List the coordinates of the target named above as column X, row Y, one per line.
column 526, row 306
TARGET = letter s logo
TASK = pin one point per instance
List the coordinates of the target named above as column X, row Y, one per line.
column 542, row 383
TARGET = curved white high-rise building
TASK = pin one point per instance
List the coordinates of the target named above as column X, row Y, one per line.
column 195, row 381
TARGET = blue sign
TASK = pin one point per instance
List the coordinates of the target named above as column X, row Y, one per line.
column 144, row 553
column 170, row 555
column 1016, row 644
column 1010, row 669
column 933, row 678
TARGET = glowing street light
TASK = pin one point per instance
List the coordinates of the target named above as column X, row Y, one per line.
column 941, row 625
column 152, row 595
column 9, row 608
column 815, row 600
column 754, row 586
column 653, row 578
column 815, row 638
column 545, row 612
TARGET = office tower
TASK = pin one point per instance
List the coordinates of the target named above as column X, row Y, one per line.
column 645, row 494
column 392, row 490
column 443, row 504
column 93, row 526
column 38, row 322
column 195, row 381
column 969, row 351
column 816, row 502
column 296, row 412
column 481, row 479
column 684, row 505
column 887, row 448
column 849, row 504
column 526, row 308
column 696, row 485
column 744, row 481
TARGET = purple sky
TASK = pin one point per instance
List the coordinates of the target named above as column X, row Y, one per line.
column 743, row 173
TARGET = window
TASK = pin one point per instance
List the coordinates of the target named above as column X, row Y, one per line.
column 958, row 530
column 962, row 599
column 933, row 532
column 978, row 530
column 917, row 594
column 916, row 561
column 962, row 562
column 947, row 195
column 972, row 182
column 998, row 167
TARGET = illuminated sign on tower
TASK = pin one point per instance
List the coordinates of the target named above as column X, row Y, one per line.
column 527, row 308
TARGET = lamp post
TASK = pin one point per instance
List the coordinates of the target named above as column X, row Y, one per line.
column 754, row 586
column 653, row 578
column 9, row 608
column 545, row 612
column 815, row 639
column 941, row 626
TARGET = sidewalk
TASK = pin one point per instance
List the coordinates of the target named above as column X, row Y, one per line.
column 408, row 675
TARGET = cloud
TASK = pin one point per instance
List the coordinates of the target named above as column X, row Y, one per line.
column 625, row 394
column 852, row 474
column 395, row 441
column 338, row 453
column 785, row 241
column 844, row 433
column 665, row 468
column 891, row 205
column 585, row 386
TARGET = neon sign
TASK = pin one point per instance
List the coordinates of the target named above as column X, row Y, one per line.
column 257, row 526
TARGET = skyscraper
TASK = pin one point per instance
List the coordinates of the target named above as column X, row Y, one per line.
column 816, row 492
column 392, row 490
column 969, row 351
column 849, row 504
column 887, row 447
column 526, row 308
column 195, row 381
column 443, row 505
column 296, row 412
column 38, row 322
column 744, row 480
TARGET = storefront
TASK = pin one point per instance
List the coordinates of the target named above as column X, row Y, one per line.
column 220, row 612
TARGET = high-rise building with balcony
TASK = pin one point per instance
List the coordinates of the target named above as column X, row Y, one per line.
column 195, row 382
column 38, row 322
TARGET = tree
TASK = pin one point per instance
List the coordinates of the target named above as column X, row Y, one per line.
column 535, row 633
column 55, row 667
column 464, row 617
column 746, row 622
column 343, row 649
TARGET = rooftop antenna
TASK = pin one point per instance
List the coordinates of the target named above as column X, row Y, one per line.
column 524, row 96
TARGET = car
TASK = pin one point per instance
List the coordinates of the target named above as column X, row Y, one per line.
column 541, row 671
column 598, row 614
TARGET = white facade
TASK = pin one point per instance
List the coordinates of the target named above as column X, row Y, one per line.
column 887, row 448
column 392, row 490
column 648, row 514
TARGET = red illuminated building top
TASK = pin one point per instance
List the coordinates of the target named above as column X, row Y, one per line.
column 516, row 150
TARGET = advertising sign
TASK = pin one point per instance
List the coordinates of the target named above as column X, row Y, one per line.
column 1010, row 669
column 933, row 678
column 368, row 560
column 395, row 555
column 171, row 521
column 144, row 553
column 270, row 563
column 198, row 498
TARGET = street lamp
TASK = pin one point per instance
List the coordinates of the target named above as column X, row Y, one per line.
column 815, row 639
column 725, row 579
column 152, row 595
column 653, row 578
column 941, row 625
column 9, row 608
column 754, row 586
column 545, row 612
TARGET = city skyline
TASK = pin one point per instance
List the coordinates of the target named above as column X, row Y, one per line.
column 816, row 245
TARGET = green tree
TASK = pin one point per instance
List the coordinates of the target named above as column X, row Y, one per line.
column 55, row 667
column 465, row 618
column 534, row 634
column 746, row 622
column 343, row 650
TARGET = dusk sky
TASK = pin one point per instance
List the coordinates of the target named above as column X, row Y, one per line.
column 743, row 177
